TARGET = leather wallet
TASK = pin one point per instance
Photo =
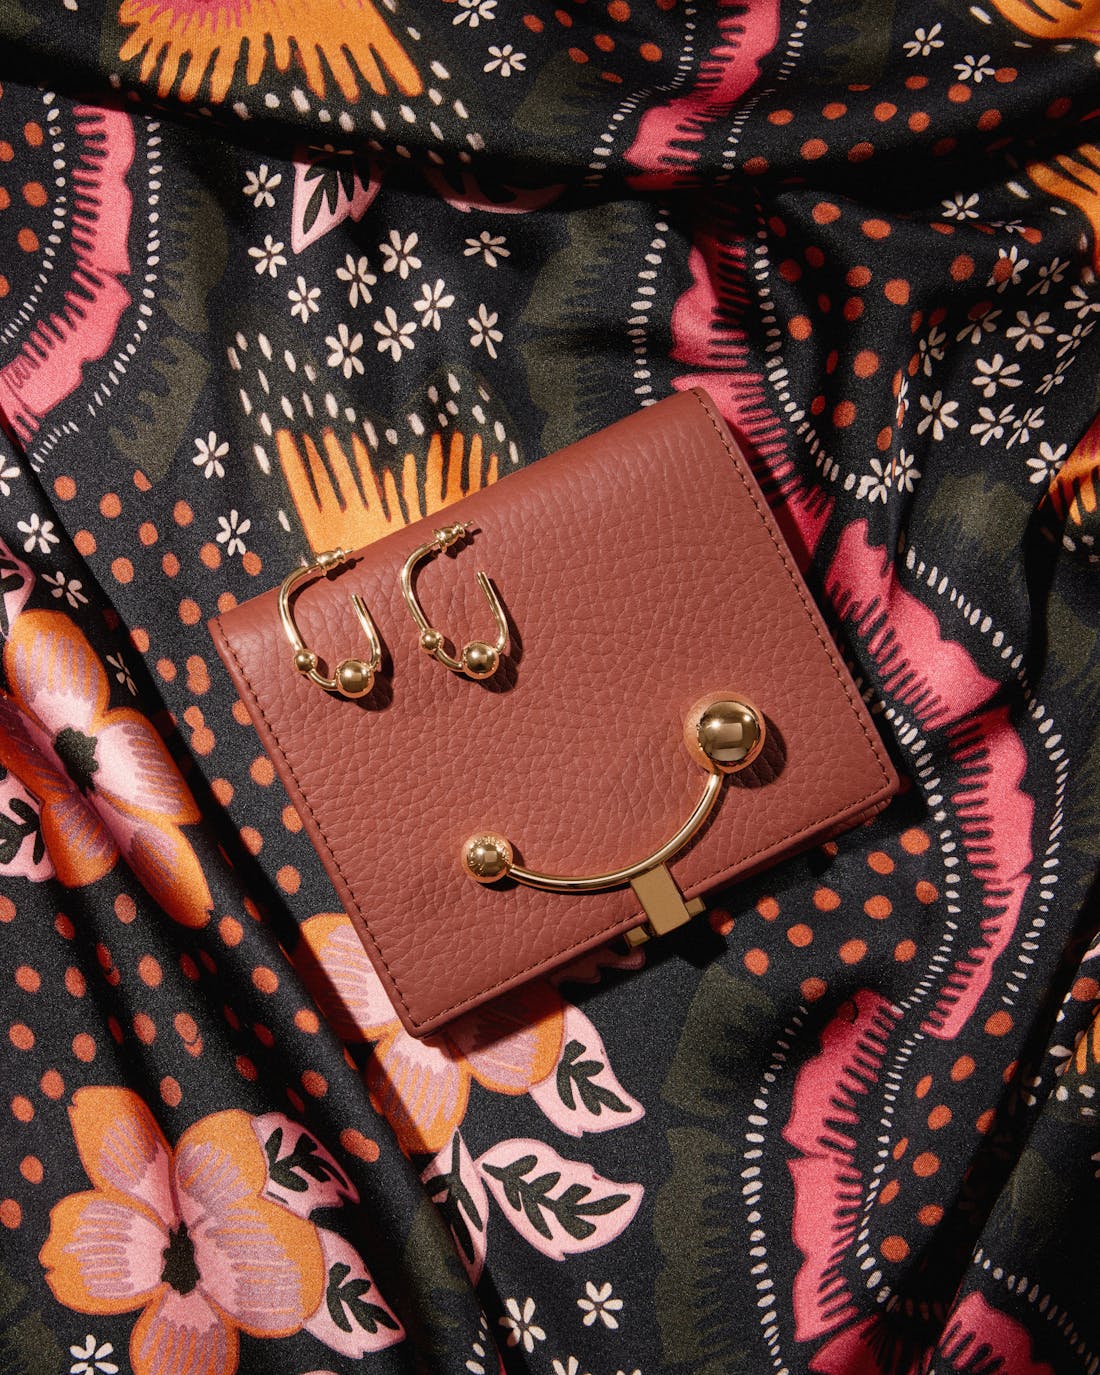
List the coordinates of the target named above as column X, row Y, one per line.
column 640, row 572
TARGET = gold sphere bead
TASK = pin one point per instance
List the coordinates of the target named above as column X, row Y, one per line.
column 430, row 641
column 305, row 661
column 487, row 858
column 728, row 734
column 354, row 678
column 479, row 660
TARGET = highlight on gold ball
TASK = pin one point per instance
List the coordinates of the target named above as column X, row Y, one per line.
column 724, row 732
column 487, row 858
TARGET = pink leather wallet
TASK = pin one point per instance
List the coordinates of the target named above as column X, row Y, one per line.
column 667, row 713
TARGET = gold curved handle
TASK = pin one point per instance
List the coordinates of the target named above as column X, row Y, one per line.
column 353, row 677
column 723, row 733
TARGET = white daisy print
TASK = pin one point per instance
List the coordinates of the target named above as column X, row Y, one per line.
column 875, row 485
column 483, row 330
column 8, row 471
column 939, row 415
column 230, row 531
column 92, row 1358
column 122, row 673
column 993, row 373
column 304, row 300
column 398, row 254
column 1028, row 332
column 571, row 1366
column 1049, row 274
column 521, row 1325
column 344, row 350
column 356, row 272
column 505, row 60
column 259, row 185
column 431, row 301
column 69, row 588
column 395, row 337
column 1023, row 425
column 475, row 12
column 980, row 326
column 961, row 206
column 208, row 455
column 924, row 42
column 1008, row 269
column 599, row 1303
column 974, row 69
column 269, row 258
column 1044, row 465
column 905, row 471
column 39, row 534
column 991, row 424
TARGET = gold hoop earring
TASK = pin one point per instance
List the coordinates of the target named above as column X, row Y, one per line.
column 353, row 677
column 477, row 659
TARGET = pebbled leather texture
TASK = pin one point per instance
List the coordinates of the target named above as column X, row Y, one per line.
column 640, row 569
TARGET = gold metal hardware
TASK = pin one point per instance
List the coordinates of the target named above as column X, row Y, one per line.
column 353, row 677
column 723, row 733
column 477, row 658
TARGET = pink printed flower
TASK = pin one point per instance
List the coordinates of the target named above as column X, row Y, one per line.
column 106, row 783
column 186, row 1237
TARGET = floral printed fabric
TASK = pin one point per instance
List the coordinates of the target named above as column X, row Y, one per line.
column 279, row 277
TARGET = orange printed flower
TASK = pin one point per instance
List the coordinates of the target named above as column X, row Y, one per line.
column 106, row 783
column 195, row 39
column 184, row 1236
column 422, row 1087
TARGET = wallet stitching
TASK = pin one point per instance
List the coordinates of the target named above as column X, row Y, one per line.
column 603, row 931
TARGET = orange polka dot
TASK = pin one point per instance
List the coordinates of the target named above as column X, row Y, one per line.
column 812, row 989
column 253, row 841
column 756, row 961
column 800, row 935
column 924, row 1083
column 125, row 908
column 826, row 900
column 939, row 1116
column 890, row 1192
column 11, row 1215
column 141, row 482
column 223, row 790
column 930, row 1214
column 210, row 555
column 264, row 1035
column 291, row 820
column 226, row 602
column 865, row 364
column 999, row 1024
column 844, row 414
column 198, row 676
column 914, row 841
column 167, row 670
column 534, row 23
column 22, row 1109
column 262, row 771
column 21, row 1036
column 882, row 439
column 52, row 1084
column 604, row 42
column 307, row 1020
column 834, row 110
column 813, row 149
column 650, row 52
column 799, row 327
column 140, row 639
column 245, row 1068
column 884, row 111
column 316, row 1085
column 182, row 513
column 894, row 1248
column 878, row 907
column 860, row 152
column 85, row 542
column 853, row 308
column 851, row 952
column 27, row 240
column 900, row 1147
column 251, row 563
column 926, row 892
column 32, row 132
column 880, row 862
column 28, row 979
column 858, row 276
column 7, row 152
column 875, row 229
column 289, row 879
column 984, row 1121
column 720, row 921
column 959, row 93
column 897, row 291
column 149, row 971
column 231, row 931
column 110, row 505
column 34, row 193
column 781, row 117
column 989, row 119
column 84, row 1047
column 65, row 488
column 824, row 212
column 171, row 565
column 147, row 533
column 817, row 405
column 186, row 1027
column 170, row 1091
column 123, row 570
column 919, row 121
column 145, row 1028
column 355, row 1143
column 265, row 979
column 904, row 951
column 926, row 1164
